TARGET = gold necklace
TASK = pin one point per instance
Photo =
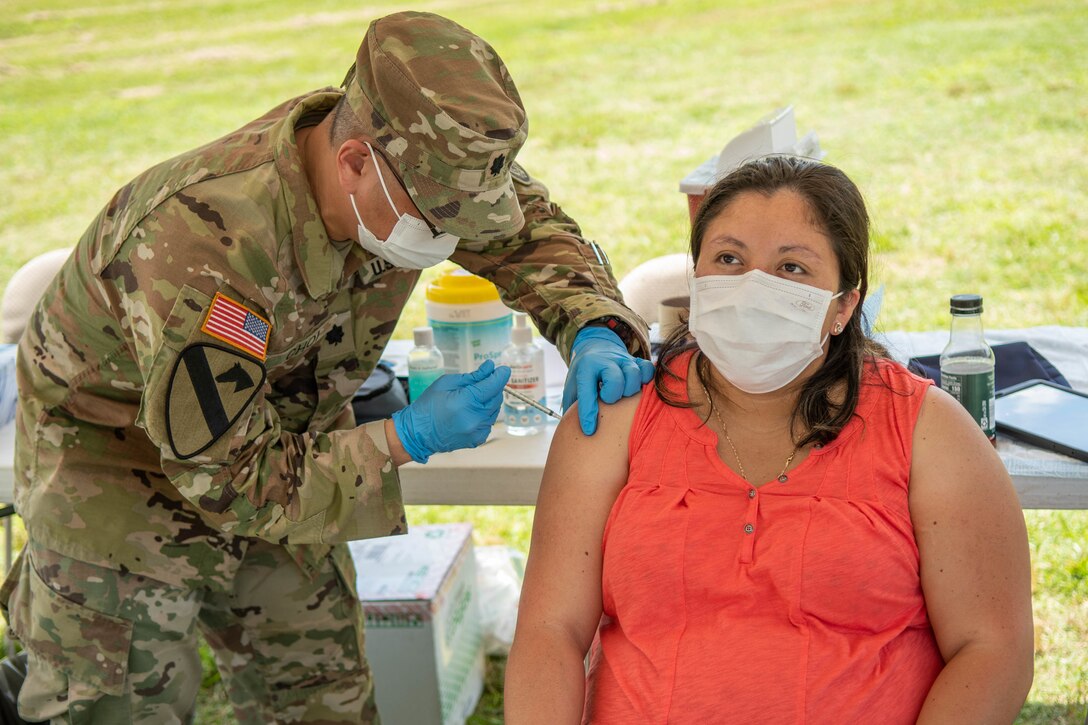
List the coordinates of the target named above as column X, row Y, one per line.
column 782, row 478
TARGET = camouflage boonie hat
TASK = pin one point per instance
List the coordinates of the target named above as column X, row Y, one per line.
column 441, row 104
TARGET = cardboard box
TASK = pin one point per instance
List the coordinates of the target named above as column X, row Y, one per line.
column 423, row 633
column 775, row 133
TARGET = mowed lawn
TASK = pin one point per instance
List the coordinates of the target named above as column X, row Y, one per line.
column 964, row 123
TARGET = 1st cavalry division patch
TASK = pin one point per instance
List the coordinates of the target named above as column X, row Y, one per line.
column 210, row 387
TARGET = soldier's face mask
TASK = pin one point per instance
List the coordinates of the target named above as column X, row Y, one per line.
column 411, row 243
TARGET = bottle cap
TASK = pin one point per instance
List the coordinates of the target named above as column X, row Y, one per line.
column 458, row 287
column 424, row 336
column 521, row 334
column 966, row 305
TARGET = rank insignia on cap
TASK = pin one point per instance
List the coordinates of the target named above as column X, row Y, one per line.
column 238, row 326
column 210, row 387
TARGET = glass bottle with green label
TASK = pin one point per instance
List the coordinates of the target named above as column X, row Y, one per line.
column 967, row 363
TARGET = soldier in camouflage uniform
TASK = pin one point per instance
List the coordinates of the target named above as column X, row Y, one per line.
column 186, row 456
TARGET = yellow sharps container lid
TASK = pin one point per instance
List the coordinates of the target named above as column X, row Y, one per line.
column 458, row 287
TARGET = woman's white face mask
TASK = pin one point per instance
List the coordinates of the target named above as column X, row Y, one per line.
column 410, row 244
column 759, row 330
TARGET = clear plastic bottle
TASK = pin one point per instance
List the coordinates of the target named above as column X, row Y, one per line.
column 967, row 363
column 425, row 363
column 526, row 361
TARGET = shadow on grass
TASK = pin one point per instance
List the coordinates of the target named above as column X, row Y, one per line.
column 1038, row 713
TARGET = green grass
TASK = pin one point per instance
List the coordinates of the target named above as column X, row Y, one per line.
column 964, row 123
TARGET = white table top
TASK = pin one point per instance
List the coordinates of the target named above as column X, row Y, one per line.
column 506, row 470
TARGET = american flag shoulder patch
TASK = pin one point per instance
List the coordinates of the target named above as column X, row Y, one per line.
column 238, row 326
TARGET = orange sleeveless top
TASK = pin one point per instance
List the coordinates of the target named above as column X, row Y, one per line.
column 795, row 602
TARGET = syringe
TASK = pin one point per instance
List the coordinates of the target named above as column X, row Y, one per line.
column 530, row 402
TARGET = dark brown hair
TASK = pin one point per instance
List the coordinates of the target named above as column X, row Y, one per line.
column 838, row 210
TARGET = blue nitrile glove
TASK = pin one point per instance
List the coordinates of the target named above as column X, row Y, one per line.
column 599, row 361
column 456, row 411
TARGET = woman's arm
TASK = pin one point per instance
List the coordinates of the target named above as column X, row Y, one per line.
column 975, row 568
column 561, row 597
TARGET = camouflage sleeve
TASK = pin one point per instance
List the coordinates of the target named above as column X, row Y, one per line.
column 551, row 272
column 245, row 471
column 311, row 488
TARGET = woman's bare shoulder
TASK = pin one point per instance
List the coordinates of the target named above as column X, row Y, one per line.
column 596, row 464
column 614, row 421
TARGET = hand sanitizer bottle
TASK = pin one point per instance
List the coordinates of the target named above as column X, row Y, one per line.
column 526, row 361
column 425, row 363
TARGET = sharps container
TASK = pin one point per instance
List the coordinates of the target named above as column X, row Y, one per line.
column 470, row 322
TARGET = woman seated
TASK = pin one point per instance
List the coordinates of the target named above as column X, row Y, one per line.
column 785, row 526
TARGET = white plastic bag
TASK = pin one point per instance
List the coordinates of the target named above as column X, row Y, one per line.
column 499, row 572
column 9, row 392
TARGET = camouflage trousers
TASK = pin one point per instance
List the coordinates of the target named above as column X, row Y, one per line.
column 107, row 646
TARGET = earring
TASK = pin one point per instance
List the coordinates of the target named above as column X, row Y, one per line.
column 837, row 329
